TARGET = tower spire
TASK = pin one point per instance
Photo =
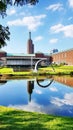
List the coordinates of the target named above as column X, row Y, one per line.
column 29, row 35
column 30, row 45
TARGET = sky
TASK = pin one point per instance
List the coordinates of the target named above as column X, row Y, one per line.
column 50, row 23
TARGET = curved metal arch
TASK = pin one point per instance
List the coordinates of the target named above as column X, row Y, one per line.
column 44, row 59
column 45, row 85
column 36, row 65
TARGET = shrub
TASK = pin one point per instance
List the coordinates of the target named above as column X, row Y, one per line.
column 60, row 73
column 71, row 73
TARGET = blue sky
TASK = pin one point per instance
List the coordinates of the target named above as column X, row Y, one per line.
column 50, row 23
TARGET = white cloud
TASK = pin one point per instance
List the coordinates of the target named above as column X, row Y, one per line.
column 66, row 101
column 70, row 3
column 11, row 11
column 54, row 40
column 31, row 22
column 35, row 107
column 38, row 91
column 31, row 106
column 56, row 28
column 55, row 7
column 67, row 29
column 54, row 89
column 39, row 38
column 56, row 105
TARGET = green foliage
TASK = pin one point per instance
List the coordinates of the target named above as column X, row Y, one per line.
column 3, row 8
column 11, row 119
column 4, row 35
column 4, row 3
column 71, row 73
column 23, row 2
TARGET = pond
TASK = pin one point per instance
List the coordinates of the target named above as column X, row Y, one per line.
column 51, row 95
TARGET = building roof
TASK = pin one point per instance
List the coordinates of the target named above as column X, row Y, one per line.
column 19, row 54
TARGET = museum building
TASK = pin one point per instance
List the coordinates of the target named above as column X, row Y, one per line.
column 29, row 60
column 65, row 57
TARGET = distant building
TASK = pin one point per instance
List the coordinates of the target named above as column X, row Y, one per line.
column 2, row 53
column 54, row 51
column 22, row 60
column 30, row 45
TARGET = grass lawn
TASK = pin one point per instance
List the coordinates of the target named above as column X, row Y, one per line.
column 11, row 119
column 47, row 70
column 6, row 70
column 58, row 69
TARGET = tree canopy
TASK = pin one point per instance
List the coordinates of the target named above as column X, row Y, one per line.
column 4, row 35
column 4, row 3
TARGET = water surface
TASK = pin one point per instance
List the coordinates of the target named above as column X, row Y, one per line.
column 47, row 95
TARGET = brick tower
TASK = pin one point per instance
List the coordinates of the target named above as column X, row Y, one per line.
column 30, row 45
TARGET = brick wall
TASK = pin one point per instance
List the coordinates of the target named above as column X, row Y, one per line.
column 3, row 54
column 64, row 80
column 63, row 57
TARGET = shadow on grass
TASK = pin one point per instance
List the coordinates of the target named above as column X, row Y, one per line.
column 19, row 120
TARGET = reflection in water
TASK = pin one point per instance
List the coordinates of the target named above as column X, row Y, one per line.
column 44, row 86
column 30, row 87
column 55, row 99
column 67, row 80
column 3, row 82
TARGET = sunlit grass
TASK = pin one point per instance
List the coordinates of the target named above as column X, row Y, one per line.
column 6, row 70
column 57, row 69
column 11, row 119
column 46, row 70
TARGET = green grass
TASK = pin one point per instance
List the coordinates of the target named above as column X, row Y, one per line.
column 6, row 70
column 42, row 71
column 11, row 119
column 58, row 69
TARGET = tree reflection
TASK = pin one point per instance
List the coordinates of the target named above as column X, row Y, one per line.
column 3, row 82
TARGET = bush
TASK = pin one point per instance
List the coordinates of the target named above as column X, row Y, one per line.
column 71, row 73
column 60, row 73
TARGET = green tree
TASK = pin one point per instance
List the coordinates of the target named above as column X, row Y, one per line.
column 3, row 8
column 4, row 35
column 4, row 3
